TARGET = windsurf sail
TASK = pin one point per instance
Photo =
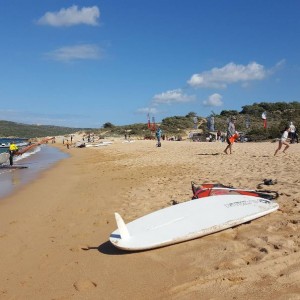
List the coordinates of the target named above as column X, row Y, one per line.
column 149, row 124
column 30, row 146
column 153, row 125
column 233, row 138
column 213, row 189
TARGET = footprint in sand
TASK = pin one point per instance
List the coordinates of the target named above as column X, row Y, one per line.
column 77, row 248
column 84, row 285
column 290, row 296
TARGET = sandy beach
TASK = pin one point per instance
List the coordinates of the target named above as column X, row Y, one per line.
column 54, row 231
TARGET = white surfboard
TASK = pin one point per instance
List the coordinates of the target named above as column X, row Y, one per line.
column 128, row 141
column 96, row 145
column 188, row 220
column 103, row 143
column 4, row 157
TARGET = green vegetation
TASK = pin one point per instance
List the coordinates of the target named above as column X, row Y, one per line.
column 13, row 129
column 249, row 121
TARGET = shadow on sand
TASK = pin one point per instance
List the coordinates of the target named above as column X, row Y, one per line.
column 107, row 248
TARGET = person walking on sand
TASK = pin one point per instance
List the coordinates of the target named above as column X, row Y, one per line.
column 230, row 133
column 158, row 134
column 283, row 140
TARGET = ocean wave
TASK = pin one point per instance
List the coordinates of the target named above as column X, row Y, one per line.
column 27, row 154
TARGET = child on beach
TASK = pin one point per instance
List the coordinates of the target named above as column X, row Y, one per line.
column 68, row 144
column 283, row 140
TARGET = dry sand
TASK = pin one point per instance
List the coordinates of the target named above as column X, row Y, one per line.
column 54, row 232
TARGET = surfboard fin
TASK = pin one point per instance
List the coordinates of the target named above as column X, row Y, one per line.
column 122, row 227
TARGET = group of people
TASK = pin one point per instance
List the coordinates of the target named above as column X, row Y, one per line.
column 288, row 136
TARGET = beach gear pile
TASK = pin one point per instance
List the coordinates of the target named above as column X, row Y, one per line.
column 214, row 189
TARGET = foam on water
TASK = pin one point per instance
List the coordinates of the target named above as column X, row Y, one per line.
column 27, row 154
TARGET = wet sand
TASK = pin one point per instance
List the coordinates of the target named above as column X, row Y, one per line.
column 54, row 231
column 27, row 167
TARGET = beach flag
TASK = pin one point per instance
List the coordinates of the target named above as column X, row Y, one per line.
column 195, row 119
column 248, row 121
column 212, row 123
column 149, row 125
column 264, row 118
column 153, row 127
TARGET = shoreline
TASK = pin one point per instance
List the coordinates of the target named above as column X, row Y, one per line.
column 27, row 167
column 54, row 231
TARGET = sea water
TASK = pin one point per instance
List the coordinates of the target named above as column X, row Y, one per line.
column 7, row 141
column 35, row 161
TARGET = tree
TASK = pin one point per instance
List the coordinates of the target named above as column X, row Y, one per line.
column 228, row 113
column 108, row 125
column 191, row 115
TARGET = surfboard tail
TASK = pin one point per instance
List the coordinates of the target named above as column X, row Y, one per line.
column 123, row 230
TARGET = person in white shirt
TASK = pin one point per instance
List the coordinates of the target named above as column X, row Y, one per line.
column 292, row 132
column 230, row 133
column 283, row 140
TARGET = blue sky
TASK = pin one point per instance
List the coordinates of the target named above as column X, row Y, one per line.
column 85, row 63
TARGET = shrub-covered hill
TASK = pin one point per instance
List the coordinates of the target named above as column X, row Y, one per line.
column 279, row 115
column 13, row 129
column 249, row 121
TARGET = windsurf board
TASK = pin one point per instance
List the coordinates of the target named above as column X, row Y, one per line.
column 13, row 167
column 188, row 220
column 4, row 157
column 128, row 141
column 96, row 145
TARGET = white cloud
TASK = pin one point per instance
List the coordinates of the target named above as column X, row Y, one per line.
column 230, row 73
column 71, row 16
column 278, row 66
column 145, row 110
column 173, row 96
column 71, row 53
column 214, row 100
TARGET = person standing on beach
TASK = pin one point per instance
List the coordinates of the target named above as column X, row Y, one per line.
column 158, row 134
column 230, row 133
column 292, row 132
column 13, row 149
column 283, row 140
column 68, row 144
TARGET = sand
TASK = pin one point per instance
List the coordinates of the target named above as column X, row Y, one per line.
column 54, row 231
